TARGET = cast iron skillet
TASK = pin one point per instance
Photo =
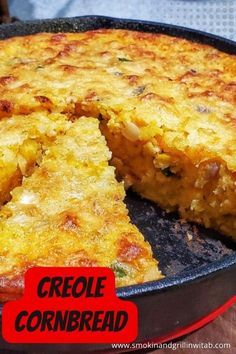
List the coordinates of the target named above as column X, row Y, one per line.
column 199, row 264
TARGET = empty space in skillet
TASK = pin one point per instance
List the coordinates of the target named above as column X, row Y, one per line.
column 179, row 246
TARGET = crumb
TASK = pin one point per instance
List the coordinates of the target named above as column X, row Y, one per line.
column 189, row 236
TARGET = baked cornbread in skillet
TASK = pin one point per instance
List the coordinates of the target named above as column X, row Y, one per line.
column 166, row 106
column 70, row 212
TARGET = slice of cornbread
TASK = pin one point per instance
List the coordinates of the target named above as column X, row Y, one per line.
column 70, row 212
column 22, row 142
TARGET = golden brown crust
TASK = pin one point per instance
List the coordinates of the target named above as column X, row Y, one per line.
column 171, row 78
column 11, row 289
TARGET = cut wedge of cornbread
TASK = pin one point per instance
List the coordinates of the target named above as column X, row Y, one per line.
column 167, row 107
column 70, row 212
column 22, row 142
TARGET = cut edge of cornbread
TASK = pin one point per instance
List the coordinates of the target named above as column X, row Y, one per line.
column 70, row 212
column 201, row 192
column 23, row 139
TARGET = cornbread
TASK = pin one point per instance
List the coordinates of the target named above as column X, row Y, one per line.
column 22, row 142
column 70, row 212
column 166, row 106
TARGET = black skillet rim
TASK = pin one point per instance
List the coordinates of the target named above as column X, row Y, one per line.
column 229, row 46
column 115, row 22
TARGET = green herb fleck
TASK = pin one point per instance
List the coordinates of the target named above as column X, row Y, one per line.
column 39, row 67
column 123, row 59
column 119, row 270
